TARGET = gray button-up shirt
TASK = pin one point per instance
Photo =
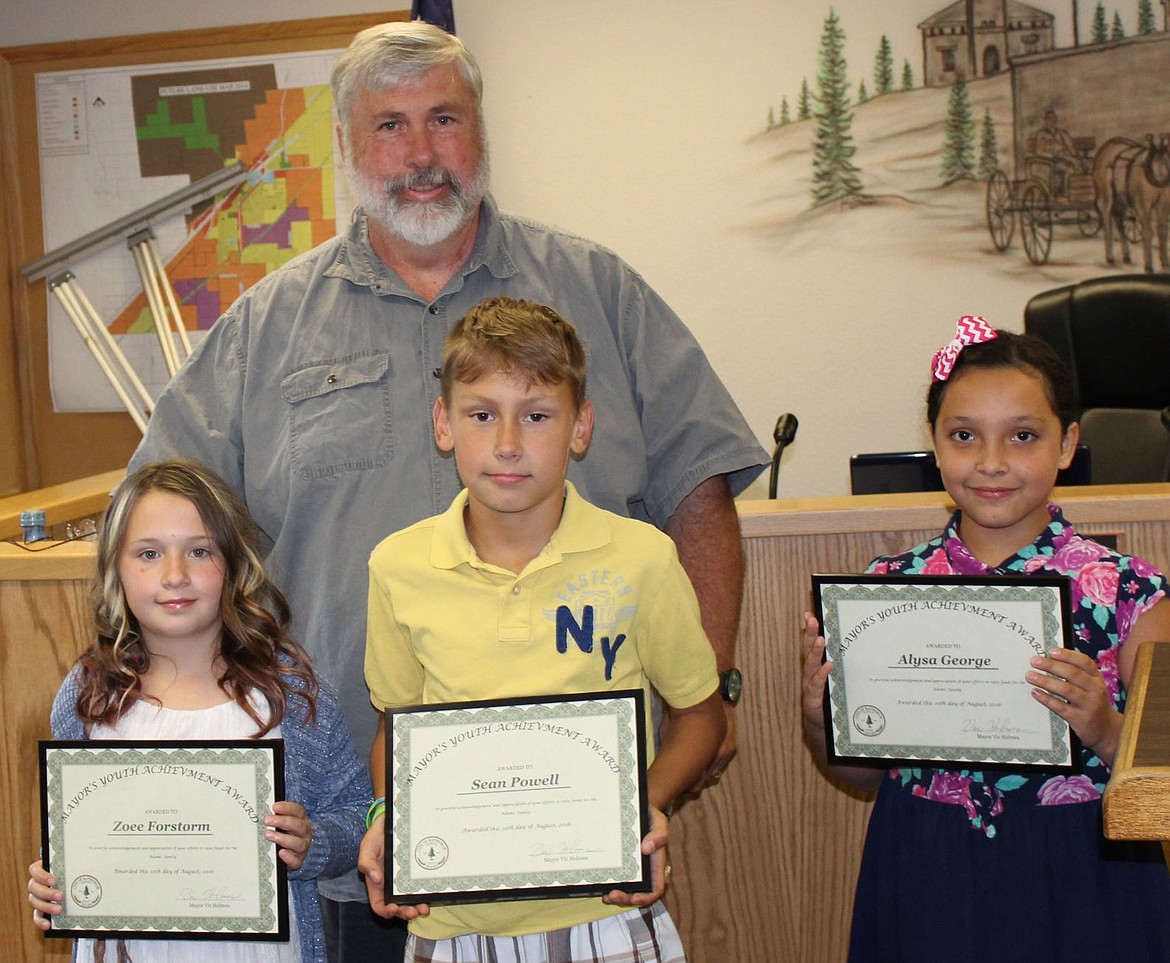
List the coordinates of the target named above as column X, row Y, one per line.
column 312, row 396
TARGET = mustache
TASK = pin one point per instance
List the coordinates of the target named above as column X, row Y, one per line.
column 425, row 177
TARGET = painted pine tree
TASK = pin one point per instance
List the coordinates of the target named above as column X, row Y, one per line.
column 1100, row 32
column 988, row 147
column 862, row 93
column 834, row 176
column 785, row 118
column 804, row 104
column 1116, row 31
column 958, row 154
column 883, row 68
column 1145, row 21
column 907, row 76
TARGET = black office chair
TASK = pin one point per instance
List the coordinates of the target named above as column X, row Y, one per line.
column 1114, row 335
column 1128, row 444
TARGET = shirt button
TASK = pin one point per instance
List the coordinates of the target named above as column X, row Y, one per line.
column 331, row 380
column 515, row 589
column 433, row 309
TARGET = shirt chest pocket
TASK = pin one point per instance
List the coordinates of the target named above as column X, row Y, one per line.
column 339, row 414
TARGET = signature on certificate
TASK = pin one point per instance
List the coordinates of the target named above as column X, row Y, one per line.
column 571, row 847
column 221, row 894
column 996, row 727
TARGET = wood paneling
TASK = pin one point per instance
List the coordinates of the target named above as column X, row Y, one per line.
column 13, row 404
column 764, row 864
column 43, row 627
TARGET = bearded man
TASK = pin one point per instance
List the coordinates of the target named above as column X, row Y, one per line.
column 312, row 395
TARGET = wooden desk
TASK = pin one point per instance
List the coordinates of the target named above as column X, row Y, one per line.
column 764, row 864
column 62, row 503
column 45, row 616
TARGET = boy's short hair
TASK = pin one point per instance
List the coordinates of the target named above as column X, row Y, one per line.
column 517, row 337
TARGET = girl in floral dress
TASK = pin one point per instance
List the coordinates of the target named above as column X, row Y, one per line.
column 994, row 865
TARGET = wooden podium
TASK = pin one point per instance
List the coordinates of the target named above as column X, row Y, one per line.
column 1137, row 800
column 764, row 864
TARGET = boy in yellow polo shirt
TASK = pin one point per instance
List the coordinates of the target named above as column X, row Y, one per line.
column 466, row 605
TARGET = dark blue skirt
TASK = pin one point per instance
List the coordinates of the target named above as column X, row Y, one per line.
column 1047, row 887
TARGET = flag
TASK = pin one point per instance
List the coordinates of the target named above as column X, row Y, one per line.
column 439, row 12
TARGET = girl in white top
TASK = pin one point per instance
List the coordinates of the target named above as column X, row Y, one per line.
column 191, row 643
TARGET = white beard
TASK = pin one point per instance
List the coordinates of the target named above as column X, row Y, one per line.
column 421, row 224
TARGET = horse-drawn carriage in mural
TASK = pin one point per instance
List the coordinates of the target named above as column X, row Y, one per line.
column 1094, row 182
column 1055, row 189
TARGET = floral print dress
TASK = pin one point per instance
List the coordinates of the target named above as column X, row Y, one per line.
column 967, row 853
column 1109, row 592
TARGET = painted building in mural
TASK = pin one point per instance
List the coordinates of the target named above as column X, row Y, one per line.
column 976, row 38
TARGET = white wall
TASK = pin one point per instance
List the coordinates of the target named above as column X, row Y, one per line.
column 636, row 123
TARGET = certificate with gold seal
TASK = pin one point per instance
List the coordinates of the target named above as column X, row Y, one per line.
column 931, row 669
column 517, row 798
column 164, row 839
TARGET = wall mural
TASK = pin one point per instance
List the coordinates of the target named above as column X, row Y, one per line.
column 996, row 133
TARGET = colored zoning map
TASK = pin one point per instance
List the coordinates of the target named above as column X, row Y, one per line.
column 116, row 140
column 194, row 123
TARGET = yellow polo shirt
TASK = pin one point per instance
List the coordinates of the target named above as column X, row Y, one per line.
column 444, row 626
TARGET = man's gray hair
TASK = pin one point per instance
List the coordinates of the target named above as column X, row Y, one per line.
column 386, row 55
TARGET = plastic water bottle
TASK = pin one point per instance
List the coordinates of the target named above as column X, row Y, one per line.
column 33, row 525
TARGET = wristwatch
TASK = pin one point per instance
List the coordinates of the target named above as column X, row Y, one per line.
column 731, row 686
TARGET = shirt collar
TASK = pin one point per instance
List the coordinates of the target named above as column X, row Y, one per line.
column 1046, row 544
column 582, row 528
column 491, row 248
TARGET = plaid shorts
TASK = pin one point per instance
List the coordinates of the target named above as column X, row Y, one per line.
column 637, row 936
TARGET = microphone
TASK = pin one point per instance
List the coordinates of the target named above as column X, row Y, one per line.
column 783, row 434
column 785, row 430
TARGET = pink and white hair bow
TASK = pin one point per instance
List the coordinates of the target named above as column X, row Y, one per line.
column 971, row 329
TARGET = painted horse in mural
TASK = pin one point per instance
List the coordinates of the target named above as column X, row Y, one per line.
column 1132, row 185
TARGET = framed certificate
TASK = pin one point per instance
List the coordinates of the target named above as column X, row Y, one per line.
column 540, row 797
column 930, row 669
column 164, row 839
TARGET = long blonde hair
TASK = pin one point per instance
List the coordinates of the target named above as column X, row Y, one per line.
column 255, row 647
